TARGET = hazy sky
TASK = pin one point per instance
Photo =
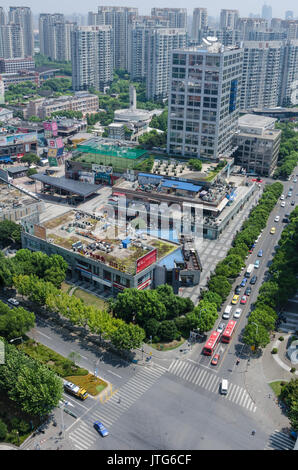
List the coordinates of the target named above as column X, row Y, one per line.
column 78, row 6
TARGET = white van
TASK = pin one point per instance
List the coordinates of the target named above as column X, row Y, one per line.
column 224, row 387
column 227, row 312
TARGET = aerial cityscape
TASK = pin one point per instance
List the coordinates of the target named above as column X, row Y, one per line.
column 149, row 229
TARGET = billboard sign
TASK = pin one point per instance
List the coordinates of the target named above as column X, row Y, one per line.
column 102, row 169
column 52, row 152
column 146, row 260
column 53, row 161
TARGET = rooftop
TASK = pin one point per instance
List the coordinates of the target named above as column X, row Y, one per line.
column 256, row 121
column 110, row 147
column 72, row 186
column 101, row 239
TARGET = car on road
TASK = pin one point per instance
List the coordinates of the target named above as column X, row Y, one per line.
column 237, row 313
column 220, row 327
column 101, row 429
column 253, row 280
column 273, row 230
column 215, row 359
column 277, row 218
column 257, row 263
column 295, row 180
column 237, row 290
column 283, row 204
column 235, row 299
column 282, row 197
column 243, row 282
column 292, row 203
column 13, row 302
column 252, row 247
column 260, row 253
column 247, row 291
column 243, row 299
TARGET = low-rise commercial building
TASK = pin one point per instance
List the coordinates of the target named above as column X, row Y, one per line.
column 257, row 144
column 81, row 101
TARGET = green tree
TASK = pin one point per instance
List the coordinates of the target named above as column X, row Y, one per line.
column 256, row 335
column 167, row 331
column 220, row 285
column 10, row 232
column 15, row 322
column 3, row 430
column 128, row 337
column 30, row 159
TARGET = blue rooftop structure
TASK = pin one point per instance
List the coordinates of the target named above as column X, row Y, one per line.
column 170, row 260
column 181, row 185
column 158, row 177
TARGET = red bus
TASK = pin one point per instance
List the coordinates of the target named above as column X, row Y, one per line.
column 211, row 343
column 228, row 332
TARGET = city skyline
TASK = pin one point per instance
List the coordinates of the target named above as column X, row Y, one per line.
column 71, row 7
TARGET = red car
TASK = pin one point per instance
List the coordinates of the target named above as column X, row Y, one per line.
column 243, row 299
column 215, row 359
column 258, row 180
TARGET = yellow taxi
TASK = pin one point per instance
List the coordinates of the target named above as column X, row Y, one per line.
column 273, row 230
column 235, row 299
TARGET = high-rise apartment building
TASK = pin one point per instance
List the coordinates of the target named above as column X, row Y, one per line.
column 120, row 20
column 92, row 61
column 247, row 27
column 54, row 36
column 228, row 19
column 160, row 43
column 267, row 12
column 289, row 85
column 11, row 41
column 204, row 100
column 289, row 15
column 22, row 16
column 199, row 22
column 2, row 16
column 261, row 76
column 177, row 17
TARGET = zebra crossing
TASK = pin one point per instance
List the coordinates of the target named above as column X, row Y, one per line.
column 211, row 381
column 108, row 413
column 280, row 441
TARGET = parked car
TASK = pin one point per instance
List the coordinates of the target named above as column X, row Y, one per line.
column 283, row 204
column 237, row 290
column 220, row 327
column 253, row 280
column 237, row 312
column 295, row 180
column 273, row 230
column 247, row 291
column 243, row 299
column 101, row 429
column 215, row 359
column 292, row 203
column 277, row 218
column 260, row 253
column 13, row 302
column 282, row 197
column 257, row 263
column 243, row 282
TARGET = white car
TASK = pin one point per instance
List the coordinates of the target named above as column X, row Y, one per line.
column 282, row 197
column 13, row 302
column 237, row 313
column 282, row 204
column 276, row 218
column 295, row 180
column 220, row 327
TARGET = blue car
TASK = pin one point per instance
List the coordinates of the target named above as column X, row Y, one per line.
column 101, row 429
column 243, row 282
column 260, row 253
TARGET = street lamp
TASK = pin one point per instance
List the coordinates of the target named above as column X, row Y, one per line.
column 14, row 339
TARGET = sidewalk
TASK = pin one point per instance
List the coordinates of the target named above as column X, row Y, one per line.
column 260, row 372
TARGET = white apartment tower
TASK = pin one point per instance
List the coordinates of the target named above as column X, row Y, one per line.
column 92, row 62
column 228, row 19
column 177, row 17
column 120, row 20
column 204, row 100
column 262, row 72
column 54, row 36
column 160, row 43
column 199, row 22
column 11, row 41
column 22, row 16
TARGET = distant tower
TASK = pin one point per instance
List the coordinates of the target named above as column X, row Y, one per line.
column 132, row 98
column 267, row 12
